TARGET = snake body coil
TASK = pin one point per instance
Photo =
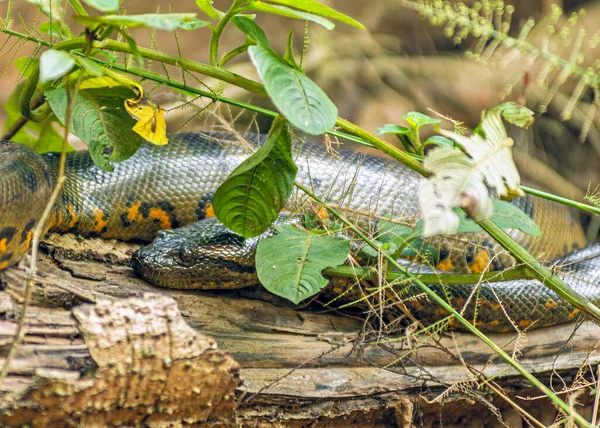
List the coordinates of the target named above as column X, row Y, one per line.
column 173, row 186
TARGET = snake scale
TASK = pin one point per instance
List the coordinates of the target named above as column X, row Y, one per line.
column 172, row 186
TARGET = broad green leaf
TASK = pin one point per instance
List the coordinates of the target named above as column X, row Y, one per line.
column 99, row 118
column 417, row 120
column 42, row 137
column 103, row 5
column 492, row 154
column 392, row 129
column 297, row 97
column 290, row 263
column 438, row 140
column 516, row 114
column 159, row 21
column 312, row 6
column 54, row 65
column 251, row 29
column 256, row 191
column 206, row 6
column 290, row 13
column 456, row 181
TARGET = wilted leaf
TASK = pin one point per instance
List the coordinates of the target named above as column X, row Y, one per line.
column 492, row 154
column 516, row 114
column 457, row 181
column 295, row 273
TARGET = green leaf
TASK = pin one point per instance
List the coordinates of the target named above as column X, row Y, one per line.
column 516, row 114
column 159, row 21
column 417, row 120
column 103, row 5
column 134, row 49
column 53, row 29
column 99, row 118
column 290, row 13
column 256, row 191
column 251, row 29
column 91, row 67
column 289, row 51
column 290, row 263
column 54, row 65
column 312, row 6
column 297, row 97
column 392, row 129
column 40, row 136
column 438, row 140
column 206, row 6
column 26, row 65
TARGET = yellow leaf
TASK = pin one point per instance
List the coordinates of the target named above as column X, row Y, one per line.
column 151, row 122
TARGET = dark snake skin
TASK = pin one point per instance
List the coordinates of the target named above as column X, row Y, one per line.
column 172, row 186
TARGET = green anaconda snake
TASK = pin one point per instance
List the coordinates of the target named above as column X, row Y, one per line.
column 172, row 186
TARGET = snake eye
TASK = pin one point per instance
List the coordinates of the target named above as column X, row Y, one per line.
column 183, row 257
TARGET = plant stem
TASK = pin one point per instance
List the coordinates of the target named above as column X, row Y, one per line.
column 78, row 8
column 232, row 54
column 216, row 34
column 565, row 201
column 441, row 302
column 345, row 271
column 382, row 145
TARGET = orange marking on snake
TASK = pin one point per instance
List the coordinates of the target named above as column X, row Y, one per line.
column 99, row 222
column 74, row 216
column 573, row 313
column 3, row 245
column 494, row 322
column 133, row 212
column 481, row 262
column 29, row 238
column 440, row 312
column 446, row 265
column 3, row 265
column 209, row 211
column 525, row 323
column 550, row 303
column 162, row 216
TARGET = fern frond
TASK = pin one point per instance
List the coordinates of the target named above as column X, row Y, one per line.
column 538, row 58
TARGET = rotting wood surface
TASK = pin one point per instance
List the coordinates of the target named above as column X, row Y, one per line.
column 102, row 347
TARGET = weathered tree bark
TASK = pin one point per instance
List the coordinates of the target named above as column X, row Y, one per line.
column 102, row 347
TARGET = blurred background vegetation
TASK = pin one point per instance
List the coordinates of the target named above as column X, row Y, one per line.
column 401, row 64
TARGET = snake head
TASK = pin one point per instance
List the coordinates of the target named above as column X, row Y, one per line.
column 204, row 255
